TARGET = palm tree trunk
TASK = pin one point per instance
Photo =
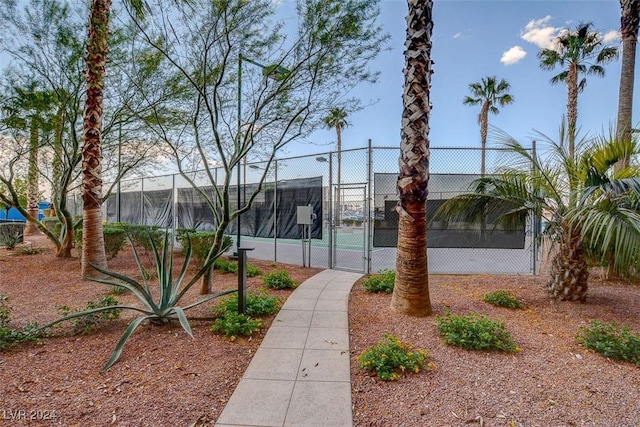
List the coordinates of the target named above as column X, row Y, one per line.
column 629, row 21
column 96, row 59
column 32, row 175
column 484, row 130
column 569, row 272
column 572, row 107
column 411, row 288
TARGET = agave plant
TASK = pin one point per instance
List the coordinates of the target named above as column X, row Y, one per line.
column 590, row 208
column 165, row 307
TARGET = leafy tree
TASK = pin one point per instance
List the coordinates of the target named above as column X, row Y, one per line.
column 6, row 198
column 337, row 119
column 45, row 40
column 577, row 52
column 629, row 21
column 411, row 287
column 489, row 92
column 590, row 209
column 214, row 121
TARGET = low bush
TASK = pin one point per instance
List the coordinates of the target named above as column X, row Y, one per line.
column 32, row 250
column 227, row 266
column 259, row 303
column 85, row 324
column 52, row 224
column 234, row 324
column 201, row 243
column 475, row 332
column 114, row 240
column 503, row 299
column 390, row 358
column 279, row 279
column 141, row 235
column 9, row 336
column 381, row 282
column 611, row 340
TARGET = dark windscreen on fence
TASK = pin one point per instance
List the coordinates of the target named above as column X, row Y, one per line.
column 440, row 234
column 155, row 208
column 194, row 212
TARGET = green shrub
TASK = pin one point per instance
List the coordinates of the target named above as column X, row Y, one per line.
column 259, row 303
column 32, row 251
column 611, row 340
column 279, row 279
column 114, row 240
column 201, row 243
column 475, row 332
column 253, row 271
column 141, row 235
column 84, row 324
column 381, row 282
column 52, row 223
column 225, row 266
column 503, row 299
column 9, row 336
column 234, row 324
column 390, row 358
column 11, row 233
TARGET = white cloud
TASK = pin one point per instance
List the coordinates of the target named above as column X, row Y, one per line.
column 457, row 35
column 611, row 36
column 540, row 33
column 513, row 55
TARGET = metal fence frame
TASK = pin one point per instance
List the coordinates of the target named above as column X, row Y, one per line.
column 340, row 246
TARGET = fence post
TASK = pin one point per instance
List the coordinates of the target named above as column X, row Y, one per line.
column 368, row 223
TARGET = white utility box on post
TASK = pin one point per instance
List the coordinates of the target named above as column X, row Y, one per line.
column 305, row 219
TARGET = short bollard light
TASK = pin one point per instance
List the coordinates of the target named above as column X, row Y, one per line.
column 242, row 279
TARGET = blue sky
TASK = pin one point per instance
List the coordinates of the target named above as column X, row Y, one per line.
column 474, row 39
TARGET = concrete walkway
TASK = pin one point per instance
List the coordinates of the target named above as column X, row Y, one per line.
column 300, row 375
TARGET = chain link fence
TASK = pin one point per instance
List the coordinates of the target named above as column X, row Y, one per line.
column 351, row 197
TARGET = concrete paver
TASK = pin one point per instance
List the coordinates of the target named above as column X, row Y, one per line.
column 300, row 375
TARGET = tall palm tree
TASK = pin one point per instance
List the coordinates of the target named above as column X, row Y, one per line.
column 589, row 207
column 629, row 22
column 579, row 51
column 95, row 61
column 337, row 118
column 411, row 288
column 489, row 92
column 28, row 110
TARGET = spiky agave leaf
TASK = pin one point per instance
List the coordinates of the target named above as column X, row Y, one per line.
column 115, row 355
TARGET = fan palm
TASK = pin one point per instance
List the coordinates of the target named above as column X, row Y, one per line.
column 337, row 119
column 589, row 208
column 489, row 92
column 580, row 51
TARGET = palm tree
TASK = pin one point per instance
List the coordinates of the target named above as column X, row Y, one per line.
column 411, row 287
column 489, row 93
column 629, row 22
column 589, row 207
column 337, row 118
column 27, row 110
column 578, row 52
column 95, row 61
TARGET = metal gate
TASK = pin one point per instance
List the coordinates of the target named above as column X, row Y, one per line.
column 351, row 225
